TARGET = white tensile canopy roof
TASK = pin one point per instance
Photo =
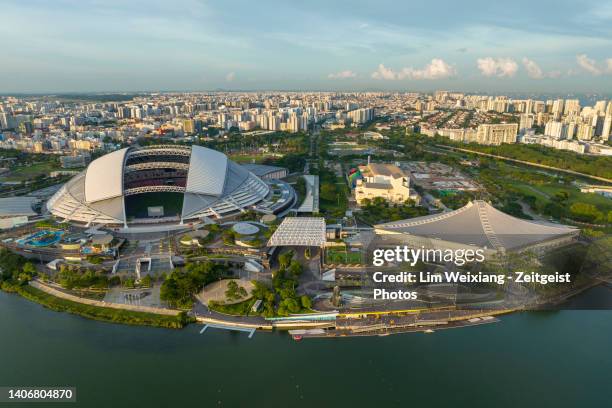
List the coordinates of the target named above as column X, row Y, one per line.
column 479, row 224
column 104, row 177
column 299, row 231
column 207, row 171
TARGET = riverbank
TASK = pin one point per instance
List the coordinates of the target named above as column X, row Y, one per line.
column 106, row 314
column 57, row 291
column 182, row 367
column 379, row 323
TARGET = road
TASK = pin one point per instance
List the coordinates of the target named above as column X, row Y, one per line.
column 527, row 210
column 312, row 161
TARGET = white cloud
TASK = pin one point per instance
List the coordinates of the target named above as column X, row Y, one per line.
column 230, row 76
column 436, row 69
column 588, row 64
column 609, row 65
column 533, row 69
column 500, row 67
column 487, row 66
column 535, row 72
column 342, row 75
column 384, row 73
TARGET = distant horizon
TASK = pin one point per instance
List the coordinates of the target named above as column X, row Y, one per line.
column 171, row 91
column 483, row 47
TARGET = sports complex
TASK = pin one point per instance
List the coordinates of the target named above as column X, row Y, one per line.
column 166, row 185
column 136, row 214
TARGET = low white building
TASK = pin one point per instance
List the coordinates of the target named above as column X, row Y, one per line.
column 564, row 144
column 386, row 181
column 15, row 211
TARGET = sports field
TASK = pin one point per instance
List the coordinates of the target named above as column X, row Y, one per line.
column 136, row 205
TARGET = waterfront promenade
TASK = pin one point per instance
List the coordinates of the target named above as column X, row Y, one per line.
column 67, row 296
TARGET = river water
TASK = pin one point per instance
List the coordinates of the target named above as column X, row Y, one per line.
column 539, row 359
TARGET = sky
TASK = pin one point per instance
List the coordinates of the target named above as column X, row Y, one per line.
column 473, row 46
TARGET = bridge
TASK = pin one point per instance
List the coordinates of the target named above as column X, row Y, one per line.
column 251, row 331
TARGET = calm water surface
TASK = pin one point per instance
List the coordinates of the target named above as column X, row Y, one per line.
column 544, row 359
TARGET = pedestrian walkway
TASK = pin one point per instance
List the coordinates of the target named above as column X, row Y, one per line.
column 251, row 331
column 136, row 308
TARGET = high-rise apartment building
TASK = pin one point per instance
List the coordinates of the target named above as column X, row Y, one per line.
column 572, row 107
column 496, row 134
column 585, row 131
column 600, row 106
column 557, row 107
column 556, row 130
column 607, row 128
column 361, row 115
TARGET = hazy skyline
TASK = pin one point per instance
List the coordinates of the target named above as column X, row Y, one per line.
column 197, row 45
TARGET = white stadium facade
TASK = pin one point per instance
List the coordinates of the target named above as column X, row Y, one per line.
column 208, row 183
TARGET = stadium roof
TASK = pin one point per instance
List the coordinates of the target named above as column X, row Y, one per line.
column 299, row 231
column 479, row 224
column 261, row 170
column 211, row 184
column 207, row 169
column 16, row 206
column 311, row 201
column 104, row 177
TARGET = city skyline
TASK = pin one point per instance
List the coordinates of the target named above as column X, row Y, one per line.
column 191, row 45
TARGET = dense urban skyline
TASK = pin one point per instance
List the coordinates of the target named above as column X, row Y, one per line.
column 191, row 45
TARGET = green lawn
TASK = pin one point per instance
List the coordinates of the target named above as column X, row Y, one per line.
column 22, row 173
column 543, row 192
column 136, row 205
column 102, row 313
column 333, row 199
column 250, row 158
column 339, row 256
column 601, row 202
column 236, row 309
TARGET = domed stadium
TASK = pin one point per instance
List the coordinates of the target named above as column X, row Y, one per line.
column 159, row 184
